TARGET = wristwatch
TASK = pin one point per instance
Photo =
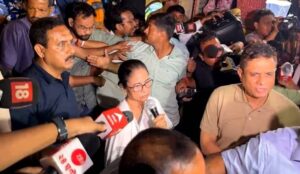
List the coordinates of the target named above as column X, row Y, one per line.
column 61, row 129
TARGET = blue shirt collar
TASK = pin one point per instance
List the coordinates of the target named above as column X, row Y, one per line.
column 49, row 78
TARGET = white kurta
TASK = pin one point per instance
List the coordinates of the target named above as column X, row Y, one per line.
column 115, row 145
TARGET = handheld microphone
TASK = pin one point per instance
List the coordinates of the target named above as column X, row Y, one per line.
column 18, row 92
column 151, row 106
column 115, row 120
column 189, row 27
column 227, row 63
column 70, row 157
column 286, row 71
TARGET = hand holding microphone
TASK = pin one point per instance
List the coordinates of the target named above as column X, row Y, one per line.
column 78, row 126
column 115, row 120
column 159, row 119
column 286, row 71
column 151, row 106
column 70, row 158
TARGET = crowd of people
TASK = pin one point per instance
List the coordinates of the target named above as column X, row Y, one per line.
column 220, row 108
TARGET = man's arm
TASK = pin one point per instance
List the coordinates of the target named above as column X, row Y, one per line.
column 209, row 124
column 90, row 44
column 292, row 94
column 9, row 45
column 75, row 81
column 85, row 52
column 19, row 144
column 208, row 143
column 104, row 62
column 248, row 158
column 215, row 164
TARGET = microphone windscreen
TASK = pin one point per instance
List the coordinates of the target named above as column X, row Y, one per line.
column 91, row 143
column 287, row 68
column 129, row 115
column 18, row 92
column 150, row 104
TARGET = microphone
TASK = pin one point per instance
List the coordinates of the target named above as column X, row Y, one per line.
column 227, row 63
column 188, row 27
column 286, row 71
column 128, row 115
column 115, row 120
column 70, row 157
column 151, row 106
column 18, row 92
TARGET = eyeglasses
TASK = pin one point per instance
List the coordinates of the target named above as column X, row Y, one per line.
column 139, row 87
column 81, row 27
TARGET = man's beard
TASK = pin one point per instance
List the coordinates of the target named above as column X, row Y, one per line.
column 32, row 19
column 81, row 37
column 84, row 37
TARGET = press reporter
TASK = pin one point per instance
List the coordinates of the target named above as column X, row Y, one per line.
column 266, row 27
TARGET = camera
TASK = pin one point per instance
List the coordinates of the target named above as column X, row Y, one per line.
column 188, row 93
column 288, row 23
column 228, row 29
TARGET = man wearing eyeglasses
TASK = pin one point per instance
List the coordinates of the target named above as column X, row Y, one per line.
column 81, row 22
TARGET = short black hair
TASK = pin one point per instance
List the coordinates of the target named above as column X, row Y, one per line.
column 79, row 8
column 204, row 37
column 261, row 13
column 126, row 69
column 50, row 2
column 155, row 151
column 39, row 28
column 193, row 45
column 113, row 17
column 256, row 50
column 164, row 22
column 176, row 8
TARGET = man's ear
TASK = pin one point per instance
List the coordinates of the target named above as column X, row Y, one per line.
column 119, row 27
column 255, row 24
column 51, row 10
column 40, row 50
column 240, row 72
column 70, row 22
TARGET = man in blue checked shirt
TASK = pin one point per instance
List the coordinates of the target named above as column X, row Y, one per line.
column 276, row 152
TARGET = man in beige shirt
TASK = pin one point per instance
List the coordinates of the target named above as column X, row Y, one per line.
column 236, row 112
